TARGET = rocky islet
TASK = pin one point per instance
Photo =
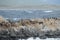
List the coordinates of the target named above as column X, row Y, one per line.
column 25, row 28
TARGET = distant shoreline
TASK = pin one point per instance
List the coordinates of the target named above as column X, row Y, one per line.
column 25, row 9
column 41, row 7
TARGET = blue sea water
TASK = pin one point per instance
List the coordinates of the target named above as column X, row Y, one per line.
column 23, row 14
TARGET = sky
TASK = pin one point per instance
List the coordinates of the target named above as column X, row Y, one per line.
column 28, row 2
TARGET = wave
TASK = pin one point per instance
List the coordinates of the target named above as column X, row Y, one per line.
column 41, row 39
column 29, row 13
column 14, row 19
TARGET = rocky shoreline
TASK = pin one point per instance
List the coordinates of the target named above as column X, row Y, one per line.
column 25, row 28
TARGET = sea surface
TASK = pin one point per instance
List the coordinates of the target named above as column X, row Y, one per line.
column 29, row 14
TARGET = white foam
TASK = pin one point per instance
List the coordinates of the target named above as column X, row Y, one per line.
column 48, row 11
column 15, row 19
column 29, row 11
column 31, row 38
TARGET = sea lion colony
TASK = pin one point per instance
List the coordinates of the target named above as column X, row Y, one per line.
column 24, row 28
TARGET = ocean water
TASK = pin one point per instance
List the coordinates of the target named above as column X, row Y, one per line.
column 28, row 14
